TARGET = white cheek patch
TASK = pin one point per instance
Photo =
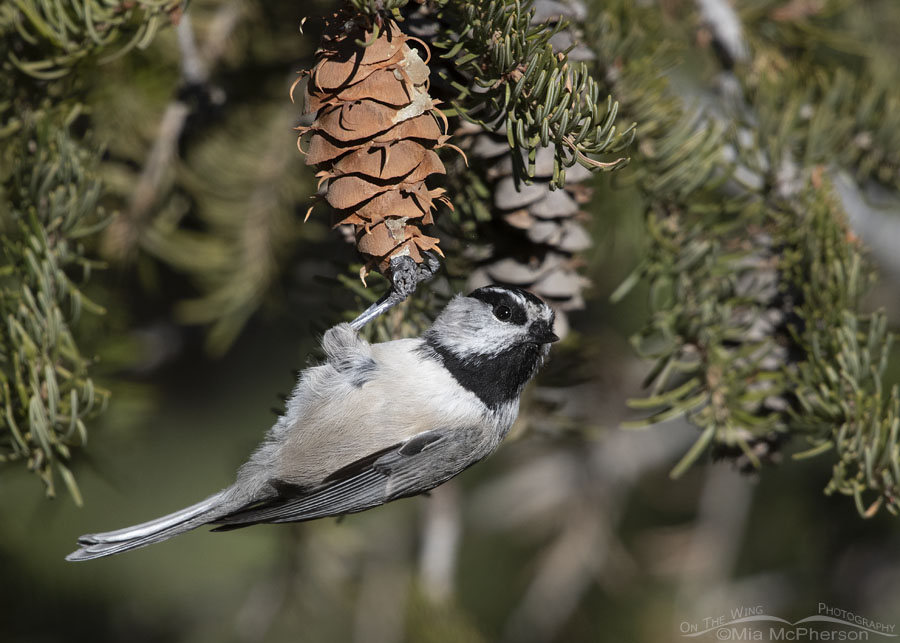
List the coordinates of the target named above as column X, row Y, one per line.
column 497, row 337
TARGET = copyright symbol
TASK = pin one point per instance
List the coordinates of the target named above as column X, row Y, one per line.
column 723, row 634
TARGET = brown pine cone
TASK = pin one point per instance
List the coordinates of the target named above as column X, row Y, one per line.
column 373, row 138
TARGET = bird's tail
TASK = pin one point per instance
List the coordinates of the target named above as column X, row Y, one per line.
column 154, row 531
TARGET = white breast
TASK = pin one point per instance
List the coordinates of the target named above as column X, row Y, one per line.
column 332, row 422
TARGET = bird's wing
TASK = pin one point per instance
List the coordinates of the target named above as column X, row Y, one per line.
column 413, row 466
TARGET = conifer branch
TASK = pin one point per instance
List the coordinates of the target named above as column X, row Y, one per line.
column 516, row 81
column 45, row 40
column 755, row 281
column 50, row 195
column 46, row 395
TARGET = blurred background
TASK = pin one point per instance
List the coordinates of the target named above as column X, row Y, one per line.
column 215, row 294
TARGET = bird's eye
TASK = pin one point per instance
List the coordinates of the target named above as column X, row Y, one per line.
column 503, row 313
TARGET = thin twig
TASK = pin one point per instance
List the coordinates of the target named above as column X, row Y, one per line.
column 124, row 233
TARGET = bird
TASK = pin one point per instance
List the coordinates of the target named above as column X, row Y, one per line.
column 376, row 422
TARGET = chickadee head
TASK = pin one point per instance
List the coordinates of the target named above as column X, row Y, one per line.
column 493, row 319
column 494, row 340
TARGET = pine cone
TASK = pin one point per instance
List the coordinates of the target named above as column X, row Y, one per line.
column 538, row 230
column 373, row 138
column 763, row 322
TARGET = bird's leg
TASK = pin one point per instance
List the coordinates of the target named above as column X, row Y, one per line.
column 406, row 275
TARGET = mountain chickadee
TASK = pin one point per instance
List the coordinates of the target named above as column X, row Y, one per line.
column 377, row 422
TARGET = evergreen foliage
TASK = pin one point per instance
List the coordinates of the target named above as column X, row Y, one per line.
column 44, row 39
column 50, row 195
column 50, row 208
column 518, row 79
column 755, row 280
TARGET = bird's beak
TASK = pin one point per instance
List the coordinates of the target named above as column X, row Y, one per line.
column 542, row 333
